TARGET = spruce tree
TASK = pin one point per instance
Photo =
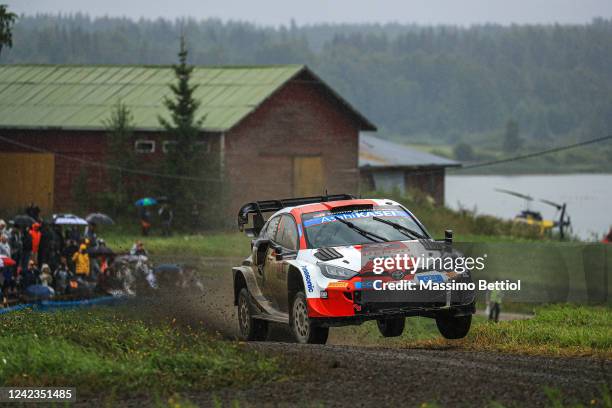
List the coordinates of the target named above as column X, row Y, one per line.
column 183, row 162
column 7, row 19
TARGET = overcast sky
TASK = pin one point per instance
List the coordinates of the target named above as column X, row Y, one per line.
column 276, row 12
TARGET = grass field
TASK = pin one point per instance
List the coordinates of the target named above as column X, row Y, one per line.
column 213, row 244
column 557, row 330
column 103, row 350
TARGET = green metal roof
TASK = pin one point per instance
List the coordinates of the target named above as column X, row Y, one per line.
column 81, row 97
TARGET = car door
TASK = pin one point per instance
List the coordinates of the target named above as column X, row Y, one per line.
column 268, row 233
column 287, row 238
column 270, row 266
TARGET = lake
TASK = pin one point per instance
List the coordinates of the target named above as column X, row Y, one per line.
column 588, row 197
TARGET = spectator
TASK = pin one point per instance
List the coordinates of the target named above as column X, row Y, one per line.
column 46, row 244
column 46, row 278
column 495, row 302
column 90, row 234
column 31, row 276
column 62, row 276
column 3, row 229
column 35, row 234
column 5, row 249
column 166, row 216
column 145, row 220
column 33, row 211
column 73, row 234
column 56, row 246
column 8, row 284
column 138, row 249
column 81, row 261
column 16, row 244
column 26, row 248
column 71, row 249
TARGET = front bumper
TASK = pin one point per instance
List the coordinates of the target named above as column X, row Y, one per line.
column 401, row 311
column 348, row 303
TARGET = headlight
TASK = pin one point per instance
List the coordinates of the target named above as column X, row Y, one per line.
column 336, row 272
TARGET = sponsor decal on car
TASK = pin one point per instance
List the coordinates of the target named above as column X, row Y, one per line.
column 309, row 285
column 354, row 214
column 342, row 285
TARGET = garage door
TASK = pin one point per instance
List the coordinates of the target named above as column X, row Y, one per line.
column 308, row 176
column 26, row 178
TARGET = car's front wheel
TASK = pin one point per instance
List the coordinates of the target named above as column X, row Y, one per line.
column 453, row 327
column 391, row 327
column 250, row 329
column 302, row 326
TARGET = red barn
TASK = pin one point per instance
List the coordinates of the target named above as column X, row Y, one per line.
column 279, row 131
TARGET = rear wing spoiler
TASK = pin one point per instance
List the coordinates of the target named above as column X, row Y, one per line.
column 258, row 208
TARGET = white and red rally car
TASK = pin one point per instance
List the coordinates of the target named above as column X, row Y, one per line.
column 307, row 269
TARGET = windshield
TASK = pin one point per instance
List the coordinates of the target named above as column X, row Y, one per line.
column 323, row 229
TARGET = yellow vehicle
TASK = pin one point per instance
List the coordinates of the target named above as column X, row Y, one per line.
column 535, row 218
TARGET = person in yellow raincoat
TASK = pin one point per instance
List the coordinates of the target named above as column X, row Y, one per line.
column 81, row 261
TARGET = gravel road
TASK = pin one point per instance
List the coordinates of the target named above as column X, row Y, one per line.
column 356, row 376
column 366, row 376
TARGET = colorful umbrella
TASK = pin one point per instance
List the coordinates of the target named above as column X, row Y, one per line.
column 146, row 202
column 99, row 218
column 68, row 219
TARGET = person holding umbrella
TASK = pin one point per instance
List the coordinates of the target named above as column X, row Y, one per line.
column 144, row 214
column 90, row 234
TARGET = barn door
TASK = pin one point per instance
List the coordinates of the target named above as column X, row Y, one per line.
column 308, row 176
column 26, row 178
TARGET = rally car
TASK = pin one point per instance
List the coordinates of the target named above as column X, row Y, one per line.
column 307, row 269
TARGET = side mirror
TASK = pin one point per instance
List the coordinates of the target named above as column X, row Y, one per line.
column 448, row 237
column 278, row 250
column 259, row 251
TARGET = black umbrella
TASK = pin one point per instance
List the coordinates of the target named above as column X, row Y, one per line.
column 23, row 220
column 99, row 218
column 100, row 251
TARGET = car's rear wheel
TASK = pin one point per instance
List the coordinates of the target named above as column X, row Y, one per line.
column 250, row 328
column 302, row 326
column 391, row 327
column 453, row 327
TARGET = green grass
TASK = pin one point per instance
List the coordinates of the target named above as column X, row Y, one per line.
column 104, row 350
column 559, row 330
column 214, row 244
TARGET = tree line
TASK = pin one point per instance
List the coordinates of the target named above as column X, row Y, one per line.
column 435, row 84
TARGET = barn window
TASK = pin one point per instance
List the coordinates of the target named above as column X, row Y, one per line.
column 168, row 145
column 144, row 146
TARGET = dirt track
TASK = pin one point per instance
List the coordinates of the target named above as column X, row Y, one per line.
column 343, row 375
column 364, row 377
